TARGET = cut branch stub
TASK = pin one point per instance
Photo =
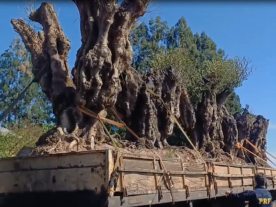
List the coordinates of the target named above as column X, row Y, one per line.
column 33, row 42
column 56, row 45
column 49, row 50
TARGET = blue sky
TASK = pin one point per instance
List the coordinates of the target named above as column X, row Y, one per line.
column 240, row 28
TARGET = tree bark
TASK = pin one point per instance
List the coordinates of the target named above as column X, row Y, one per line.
column 254, row 129
column 103, row 79
column 217, row 128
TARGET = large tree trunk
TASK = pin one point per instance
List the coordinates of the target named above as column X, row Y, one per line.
column 103, row 79
column 105, row 55
column 102, row 76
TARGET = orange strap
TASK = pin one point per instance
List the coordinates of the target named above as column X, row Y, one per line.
column 252, row 145
column 260, row 151
column 239, row 146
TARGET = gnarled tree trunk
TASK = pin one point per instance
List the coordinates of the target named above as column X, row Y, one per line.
column 103, row 79
column 102, row 76
column 104, row 57
column 254, row 129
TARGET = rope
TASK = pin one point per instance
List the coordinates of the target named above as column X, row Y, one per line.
column 270, row 154
column 118, row 117
column 94, row 115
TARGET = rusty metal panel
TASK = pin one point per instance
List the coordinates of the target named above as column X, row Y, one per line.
column 60, row 172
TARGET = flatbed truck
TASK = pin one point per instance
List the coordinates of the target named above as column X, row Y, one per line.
column 127, row 180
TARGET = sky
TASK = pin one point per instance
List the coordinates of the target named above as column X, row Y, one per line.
column 244, row 29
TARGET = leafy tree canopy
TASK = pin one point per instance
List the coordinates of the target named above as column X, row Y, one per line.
column 15, row 75
column 195, row 57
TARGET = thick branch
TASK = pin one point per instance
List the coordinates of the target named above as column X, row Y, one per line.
column 56, row 44
column 222, row 96
column 33, row 42
column 106, row 51
column 49, row 50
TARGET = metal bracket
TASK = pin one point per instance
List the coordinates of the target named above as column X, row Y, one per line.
column 160, row 194
column 123, row 195
column 169, row 181
column 125, row 192
column 208, row 191
column 216, row 187
column 187, row 191
column 113, row 183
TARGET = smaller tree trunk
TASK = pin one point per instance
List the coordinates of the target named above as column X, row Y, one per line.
column 216, row 127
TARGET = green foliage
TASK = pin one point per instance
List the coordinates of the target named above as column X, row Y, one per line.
column 233, row 104
column 24, row 136
column 15, row 75
column 33, row 114
column 194, row 57
column 47, row 127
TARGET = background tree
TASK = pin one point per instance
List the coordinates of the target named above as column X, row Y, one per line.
column 202, row 68
column 33, row 114
column 16, row 74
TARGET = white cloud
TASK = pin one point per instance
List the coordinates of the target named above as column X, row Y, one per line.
column 272, row 126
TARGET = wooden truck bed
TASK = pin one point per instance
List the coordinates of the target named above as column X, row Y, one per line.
column 138, row 180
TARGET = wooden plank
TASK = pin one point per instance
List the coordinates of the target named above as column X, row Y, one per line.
column 233, row 165
column 139, row 183
column 195, row 182
column 145, row 157
column 183, row 176
column 137, row 164
column 141, row 175
column 141, row 170
column 109, row 165
column 239, row 175
column 121, row 175
column 232, row 175
column 173, row 165
column 69, row 172
column 196, row 168
column 59, row 161
column 265, row 171
column 155, row 176
column 53, row 180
